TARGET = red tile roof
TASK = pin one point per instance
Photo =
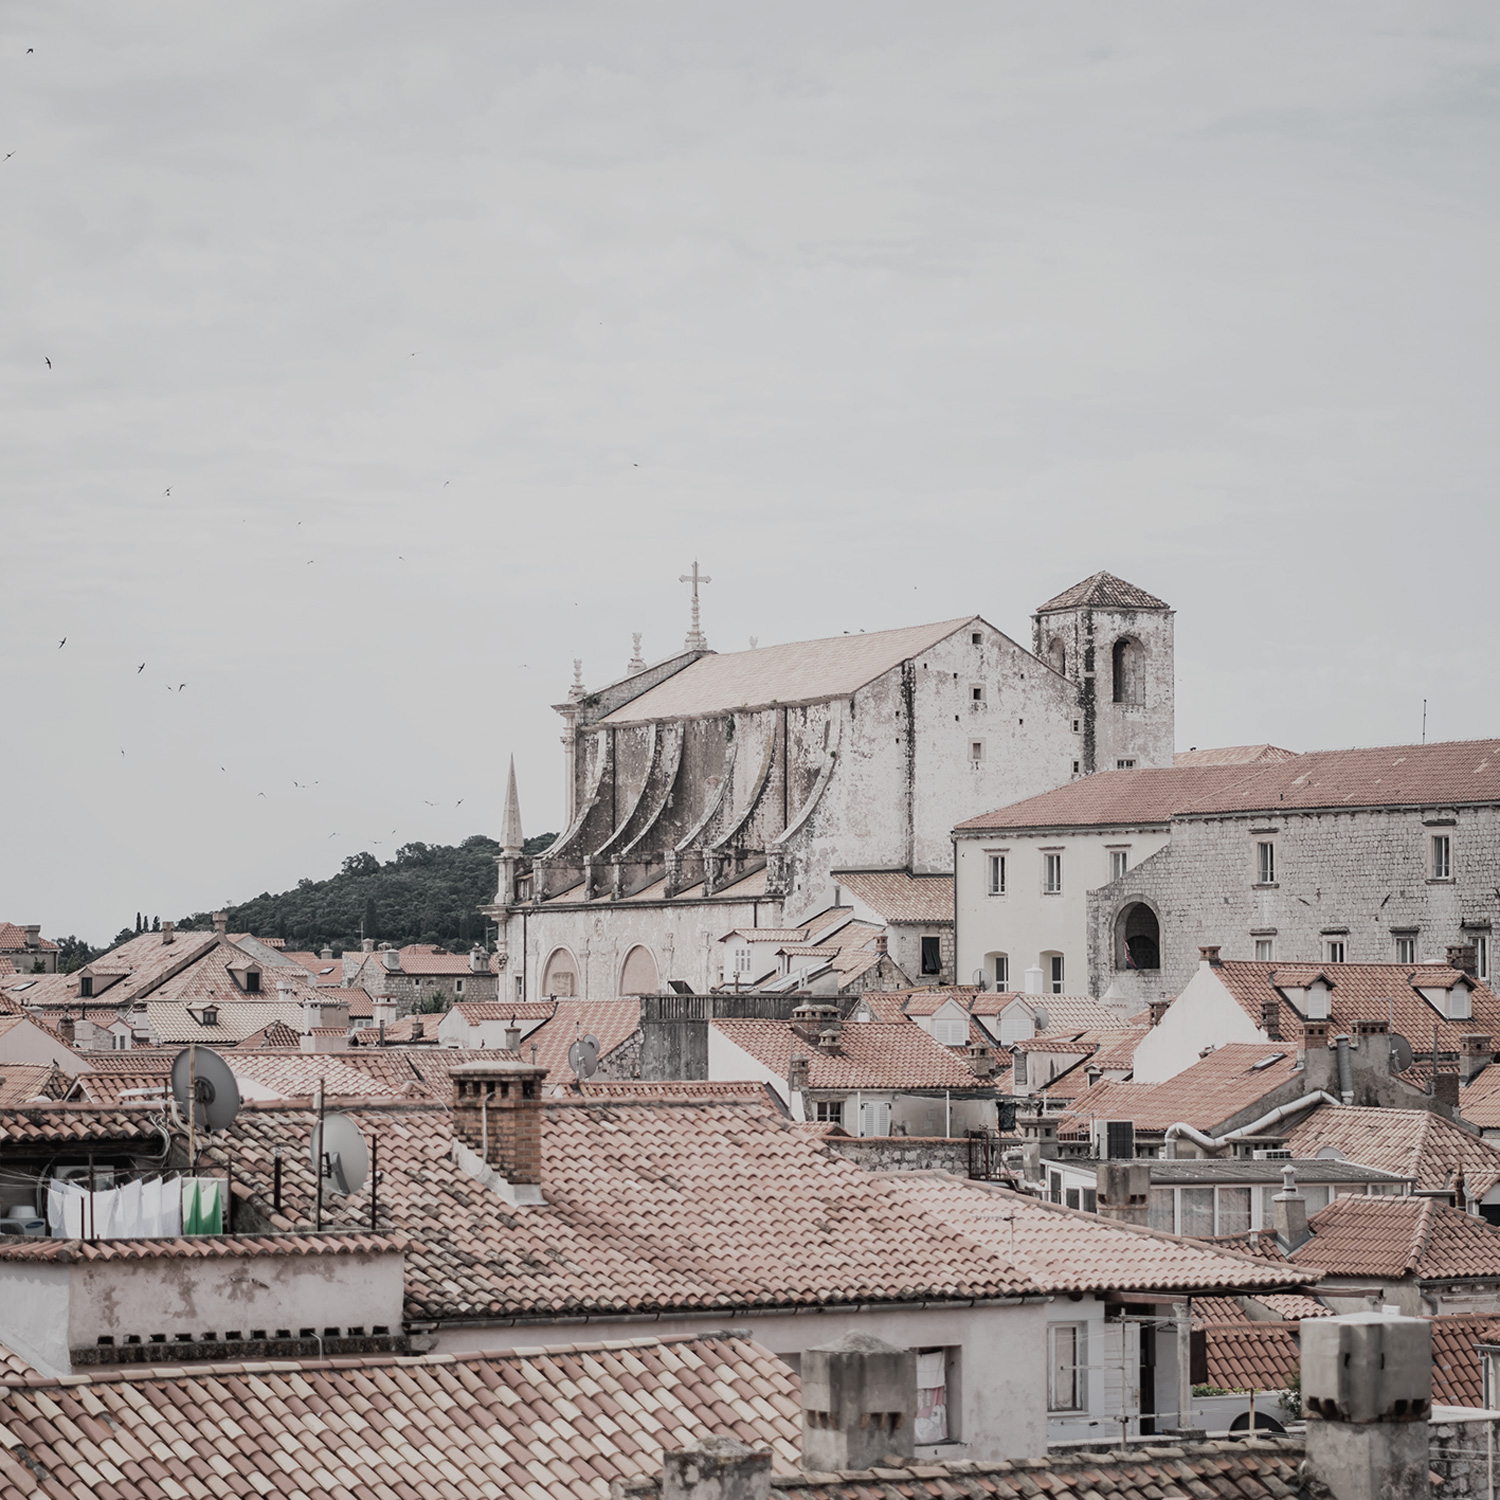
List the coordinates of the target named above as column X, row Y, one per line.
column 1218, row 1086
column 1479, row 1100
column 22, row 1082
column 13, row 940
column 430, row 959
column 1246, row 1356
column 1102, row 590
column 207, row 1246
column 537, row 1424
column 1233, row 755
column 67, row 1124
column 611, row 1021
column 1409, row 1142
column 901, row 897
column 1396, row 1237
column 871, row 1055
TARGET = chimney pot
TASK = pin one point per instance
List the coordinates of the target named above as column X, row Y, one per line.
column 221, row 923
column 859, row 1403
column 326, row 954
column 512, row 1038
column 797, row 1074
column 168, row 932
column 1289, row 1209
column 1208, row 953
column 882, row 943
column 1158, row 1011
column 65, row 1030
column 1124, row 1190
column 1270, row 1018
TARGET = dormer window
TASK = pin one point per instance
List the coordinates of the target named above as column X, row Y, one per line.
column 205, row 1015
column 85, row 986
column 252, row 981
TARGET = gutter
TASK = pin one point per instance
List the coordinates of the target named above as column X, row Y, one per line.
column 1181, row 1130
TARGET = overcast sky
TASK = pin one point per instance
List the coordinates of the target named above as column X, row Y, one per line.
column 457, row 331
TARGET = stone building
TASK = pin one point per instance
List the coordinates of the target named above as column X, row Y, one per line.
column 710, row 793
column 1382, row 855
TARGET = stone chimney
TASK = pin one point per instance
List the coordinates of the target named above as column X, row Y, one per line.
column 1124, row 1190
column 1367, row 1396
column 511, row 1038
column 367, row 945
column 719, row 1468
column 221, row 924
column 497, row 1119
column 882, row 943
column 391, row 958
column 1290, row 1210
column 981, row 1059
column 1474, row 1055
column 1461, row 956
column 326, row 954
column 1208, row 956
column 1159, row 1010
column 168, row 932
column 65, row 1030
column 859, row 1404
column 1445, row 1089
column 797, row 1074
column 1270, row 1017
column 1373, row 1039
column 479, row 960
column 33, row 931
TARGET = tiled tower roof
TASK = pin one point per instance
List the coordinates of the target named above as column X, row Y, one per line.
column 1103, row 591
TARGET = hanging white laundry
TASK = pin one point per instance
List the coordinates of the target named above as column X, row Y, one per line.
column 57, row 1195
column 105, row 1203
column 151, row 1209
column 127, row 1224
column 73, row 1214
column 170, row 1226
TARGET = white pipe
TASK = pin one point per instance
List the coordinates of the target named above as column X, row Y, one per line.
column 1274, row 1117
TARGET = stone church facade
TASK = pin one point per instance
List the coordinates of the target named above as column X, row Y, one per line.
column 710, row 792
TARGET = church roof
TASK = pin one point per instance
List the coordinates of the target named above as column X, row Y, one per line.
column 798, row 672
column 1234, row 755
column 1103, row 591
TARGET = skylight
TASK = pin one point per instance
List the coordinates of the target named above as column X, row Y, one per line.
column 1266, row 1062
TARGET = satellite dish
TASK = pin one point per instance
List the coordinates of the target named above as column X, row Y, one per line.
column 1240, row 1427
column 583, row 1056
column 1331, row 1153
column 981, row 980
column 340, row 1148
column 1040, row 1013
column 218, row 1095
column 1400, row 1053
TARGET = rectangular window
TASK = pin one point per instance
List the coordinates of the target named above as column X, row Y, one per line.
column 1065, row 1384
column 1198, row 1211
column 1406, row 950
column 1052, row 874
column 1161, row 1211
column 1265, row 864
column 458, row 986
column 252, row 982
column 932, row 955
column 1054, row 1186
column 932, row 1397
column 1125, row 765
column 1482, row 956
column 741, row 960
column 1118, row 864
column 1057, row 974
column 1234, row 1210
column 875, row 1117
column 1333, row 950
column 976, row 751
column 1071, row 1198
column 1442, row 857
column 997, row 874
column 520, row 987
column 1018, row 1070
column 1265, row 950
column 829, row 1111
column 976, row 695
column 1002, row 971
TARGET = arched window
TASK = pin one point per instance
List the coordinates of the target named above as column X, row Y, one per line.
column 639, row 974
column 560, row 973
column 1137, row 938
column 1057, row 656
column 1127, row 674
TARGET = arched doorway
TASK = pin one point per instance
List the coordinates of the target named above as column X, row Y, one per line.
column 560, row 973
column 1137, row 938
column 639, row 974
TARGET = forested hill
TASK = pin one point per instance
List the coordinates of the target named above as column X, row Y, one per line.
column 430, row 893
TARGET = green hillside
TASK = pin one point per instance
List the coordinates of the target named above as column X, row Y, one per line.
column 429, row 893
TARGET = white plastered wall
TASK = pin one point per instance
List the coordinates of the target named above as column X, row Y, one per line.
column 1205, row 1014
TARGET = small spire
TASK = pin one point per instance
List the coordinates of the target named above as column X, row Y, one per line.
column 511, row 838
column 637, row 661
column 578, row 690
column 754, row 642
column 696, row 640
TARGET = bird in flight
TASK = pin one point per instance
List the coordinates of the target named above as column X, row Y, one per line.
column 430, row 804
column 180, row 686
column 140, row 669
column 31, row 49
column 9, row 154
column 63, row 642
column 260, row 794
column 459, row 803
column 49, row 362
column 168, row 490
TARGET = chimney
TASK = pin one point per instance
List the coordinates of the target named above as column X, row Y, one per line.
column 1367, row 1396
column 859, row 1404
column 65, row 1030
column 1270, row 1017
column 327, row 953
column 1474, row 1054
column 168, row 932
column 1124, row 1190
column 1208, row 956
column 383, row 1010
column 1346, row 1068
column 1159, row 1010
column 511, row 1041
column 391, row 958
column 497, row 1117
column 1445, row 1089
column 1290, row 1210
column 312, row 1012
column 797, row 1074
column 1373, row 1038
column 1461, row 957
column 882, row 943
column 367, row 945
column 981, row 1059
column 1034, row 980
column 33, row 931
column 719, row 1468
column 1316, row 1058
column 479, row 960
column 221, row 923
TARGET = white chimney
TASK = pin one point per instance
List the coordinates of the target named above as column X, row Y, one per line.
column 1034, row 980
column 391, row 958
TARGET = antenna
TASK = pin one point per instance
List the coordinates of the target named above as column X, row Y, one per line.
column 204, row 1089
column 339, row 1154
column 583, row 1057
column 981, row 980
column 1424, row 721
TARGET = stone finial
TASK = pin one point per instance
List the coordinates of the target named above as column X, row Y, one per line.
column 754, row 642
column 696, row 640
column 578, row 690
column 637, row 661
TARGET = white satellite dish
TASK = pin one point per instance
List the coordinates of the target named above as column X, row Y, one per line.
column 583, row 1056
column 338, row 1151
column 215, row 1094
column 981, row 980
column 1040, row 1013
column 1401, row 1056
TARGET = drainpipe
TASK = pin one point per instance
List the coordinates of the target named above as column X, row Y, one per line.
column 1183, row 1131
column 1346, row 1071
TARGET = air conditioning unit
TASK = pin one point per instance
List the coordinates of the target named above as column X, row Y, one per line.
column 1279, row 1153
column 1114, row 1140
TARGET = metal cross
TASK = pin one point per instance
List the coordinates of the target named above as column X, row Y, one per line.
column 696, row 641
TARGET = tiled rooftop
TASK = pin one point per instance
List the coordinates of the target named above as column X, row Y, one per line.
column 900, row 897
column 1234, row 755
column 871, row 1055
column 13, row 940
column 1396, row 1237
column 20, row 1083
column 201, row 1247
column 1246, row 1356
column 1479, row 1100
column 1102, row 590
column 1410, row 1142
column 543, row 1424
column 65, row 1124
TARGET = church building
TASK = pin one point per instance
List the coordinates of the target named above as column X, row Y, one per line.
column 714, row 792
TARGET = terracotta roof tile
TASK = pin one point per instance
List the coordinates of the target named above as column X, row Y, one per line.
column 1233, row 755
column 20, row 1083
column 1247, row 1356
column 1478, row 1100
column 1102, row 591
column 900, row 897
column 871, row 1055
column 1410, row 1142
column 1395, row 1237
column 64, row 1124
column 207, row 1246
column 13, row 940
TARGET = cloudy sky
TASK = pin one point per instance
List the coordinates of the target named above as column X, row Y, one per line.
column 400, row 354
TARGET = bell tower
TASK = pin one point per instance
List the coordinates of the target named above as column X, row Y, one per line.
column 1114, row 642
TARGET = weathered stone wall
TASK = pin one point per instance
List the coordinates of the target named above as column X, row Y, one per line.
column 1459, row 1456
column 894, row 1153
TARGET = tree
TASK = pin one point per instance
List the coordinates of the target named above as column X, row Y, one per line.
column 73, row 953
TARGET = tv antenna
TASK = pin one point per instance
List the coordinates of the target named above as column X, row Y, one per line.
column 203, row 1089
column 981, row 980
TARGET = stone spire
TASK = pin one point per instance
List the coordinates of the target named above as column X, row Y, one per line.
column 696, row 640
column 637, row 661
column 577, row 690
column 511, row 838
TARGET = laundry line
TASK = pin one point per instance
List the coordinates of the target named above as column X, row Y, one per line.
column 147, row 1209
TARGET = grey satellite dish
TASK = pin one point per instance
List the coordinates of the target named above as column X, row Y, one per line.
column 340, row 1148
column 1040, row 1012
column 981, row 980
column 583, row 1056
column 1331, row 1153
column 217, row 1099
column 1400, row 1053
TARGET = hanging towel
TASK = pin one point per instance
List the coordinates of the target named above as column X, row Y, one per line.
column 151, row 1209
column 202, row 1208
column 189, row 1197
column 127, row 1222
column 57, row 1195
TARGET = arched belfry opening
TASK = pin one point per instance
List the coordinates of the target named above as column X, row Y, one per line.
column 1127, row 674
column 1057, row 656
column 1137, row 938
